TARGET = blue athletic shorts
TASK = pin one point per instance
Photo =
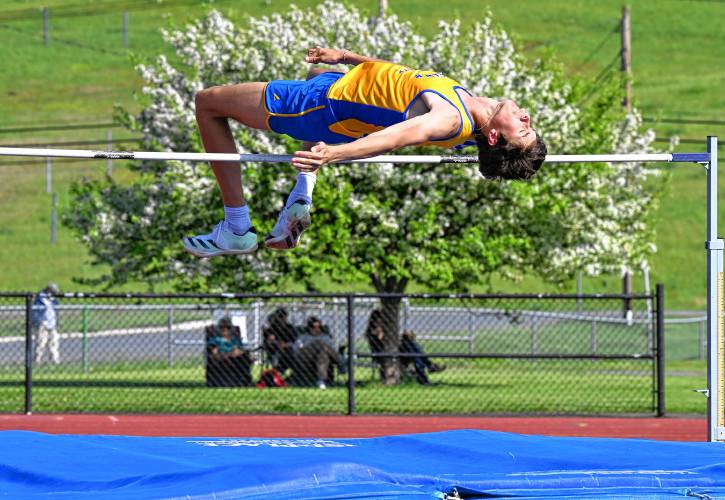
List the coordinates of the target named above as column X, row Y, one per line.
column 300, row 109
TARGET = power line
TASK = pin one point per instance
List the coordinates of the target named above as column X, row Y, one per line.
column 74, row 10
column 688, row 141
column 72, row 43
column 683, row 121
column 603, row 75
column 98, row 9
column 73, row 143
column 601, row 44
column 59, row 127
column 606, row 70
column 41, row 161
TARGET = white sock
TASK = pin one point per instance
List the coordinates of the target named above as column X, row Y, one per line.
column 303, row 188
column 237, row 218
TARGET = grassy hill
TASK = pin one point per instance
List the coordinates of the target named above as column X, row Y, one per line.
column 85, row 70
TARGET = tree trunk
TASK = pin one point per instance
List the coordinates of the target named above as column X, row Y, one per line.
column 390, row 309
column 391, row 340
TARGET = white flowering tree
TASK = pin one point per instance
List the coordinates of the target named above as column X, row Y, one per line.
column 441, row 226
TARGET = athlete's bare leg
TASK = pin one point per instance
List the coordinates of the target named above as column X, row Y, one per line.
column 242, row 102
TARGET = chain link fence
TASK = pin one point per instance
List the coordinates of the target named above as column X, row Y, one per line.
column 328, row 354
column 686, row 335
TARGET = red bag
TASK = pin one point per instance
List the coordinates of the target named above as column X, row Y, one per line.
column 271, row 378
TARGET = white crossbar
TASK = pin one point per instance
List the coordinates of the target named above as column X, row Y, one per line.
column 268, row 158
column 609, row 158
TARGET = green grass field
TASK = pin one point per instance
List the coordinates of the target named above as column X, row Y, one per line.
column 467, row 387
column 85, row 71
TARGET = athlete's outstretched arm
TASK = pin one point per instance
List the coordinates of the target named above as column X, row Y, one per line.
column 336, row 56
column 430, row 126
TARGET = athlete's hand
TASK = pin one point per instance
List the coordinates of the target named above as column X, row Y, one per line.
column 309, row 161
column 322, row 55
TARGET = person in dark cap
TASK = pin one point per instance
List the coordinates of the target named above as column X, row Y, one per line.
column 279, row 338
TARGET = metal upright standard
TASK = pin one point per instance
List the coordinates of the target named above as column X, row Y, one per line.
column 716, row 333
column 714, row 245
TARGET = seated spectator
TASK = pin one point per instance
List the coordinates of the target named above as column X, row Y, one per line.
column 374, row 334
column 409, row 345
column 278, row 340
column 228, row 361
column 315, row 354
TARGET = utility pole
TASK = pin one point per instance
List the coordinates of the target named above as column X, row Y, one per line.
column 626, row 66
column 382, row 7
column 626, row 57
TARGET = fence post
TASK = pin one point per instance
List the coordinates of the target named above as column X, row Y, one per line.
column 579, row 287
column 48, row 175
column 594, row 339
column 54, row 220
column 627, row 290
column 660, row 350
column 650, row 308
column 84, row 326
column 109, row 167
column 28, row 355
column 351, row 354
column 125, row 29
column 46, row 26
column 257, row 322
column 406, row 312
column 534, row 337
column 170, row 337
column 382, row 7
column 471, row 338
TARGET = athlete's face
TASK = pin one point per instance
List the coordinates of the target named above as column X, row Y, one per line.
column 514, row 124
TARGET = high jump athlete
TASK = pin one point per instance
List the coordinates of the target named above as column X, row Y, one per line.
column 374, row 108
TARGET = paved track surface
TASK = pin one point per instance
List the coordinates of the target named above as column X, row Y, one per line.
column 666, row 429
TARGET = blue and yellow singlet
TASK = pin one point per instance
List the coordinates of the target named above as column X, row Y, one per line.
column 342, row 107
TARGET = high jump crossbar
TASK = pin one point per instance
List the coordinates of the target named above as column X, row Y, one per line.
column 713, row 245
column 269, row 158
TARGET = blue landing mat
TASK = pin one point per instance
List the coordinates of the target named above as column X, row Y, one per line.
column 455, row 464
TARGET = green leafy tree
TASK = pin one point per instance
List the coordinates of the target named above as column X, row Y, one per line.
column 441, row 226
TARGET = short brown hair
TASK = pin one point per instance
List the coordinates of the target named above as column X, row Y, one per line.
column 506, row 160
column 312, row 320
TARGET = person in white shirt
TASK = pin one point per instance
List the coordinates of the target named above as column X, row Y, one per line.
column 45, row 323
